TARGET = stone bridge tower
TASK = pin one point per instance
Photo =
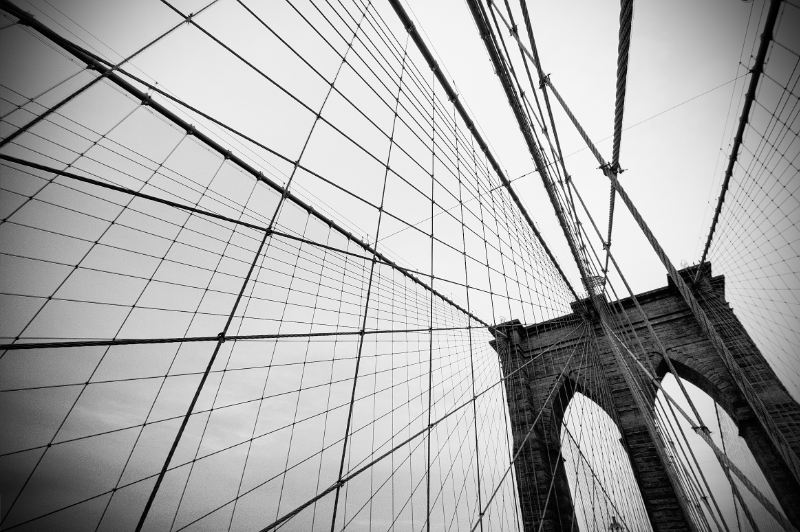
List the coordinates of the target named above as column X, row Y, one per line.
column 538, row 392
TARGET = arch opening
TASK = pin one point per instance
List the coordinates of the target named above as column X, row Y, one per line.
column 725, row 434
column 601, row 480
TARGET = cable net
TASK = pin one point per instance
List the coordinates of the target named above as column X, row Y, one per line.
column 603, row 489
column 756, row 243
column 691, row 493
column 250, row 257
column 258, row 265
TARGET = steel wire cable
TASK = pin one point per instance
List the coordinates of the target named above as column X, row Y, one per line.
column 342, row 254
column 537, row 65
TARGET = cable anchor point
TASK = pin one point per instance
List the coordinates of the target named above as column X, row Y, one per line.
column 609, row 168
column 26, row 20
column 544, row 81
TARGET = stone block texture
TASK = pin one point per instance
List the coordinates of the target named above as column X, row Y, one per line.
column 534, row 358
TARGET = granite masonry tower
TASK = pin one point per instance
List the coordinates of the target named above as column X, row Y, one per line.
column 539, row 390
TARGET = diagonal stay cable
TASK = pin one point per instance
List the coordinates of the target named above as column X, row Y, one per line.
column 453, row 97
column 614, row 181
column 723, row 458
column 521, row 445
column 792, row 461
column 351, row 475
column 27, row 19
column 660, row 345
column 210, row 214
column 499, row 63
column 257, row 256
column 286, row 517
column 154, row 89
column 214, row 145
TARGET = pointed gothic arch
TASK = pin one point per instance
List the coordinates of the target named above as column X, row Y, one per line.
column 534, row 357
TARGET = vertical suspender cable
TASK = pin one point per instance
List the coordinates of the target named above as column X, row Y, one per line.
column 777, row 438
column 481, row 21
column 97, row 64
column 623, row 53
column 479, row 15
column 453, row 97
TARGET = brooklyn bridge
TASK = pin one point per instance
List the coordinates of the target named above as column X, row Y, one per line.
column 395, row 265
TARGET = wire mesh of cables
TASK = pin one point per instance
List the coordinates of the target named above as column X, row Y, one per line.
column 252, row 268
column 754, row 242
column 534, row 125
column 692, row 489
column 757, row 239
column 248, row 274
column 740, row 509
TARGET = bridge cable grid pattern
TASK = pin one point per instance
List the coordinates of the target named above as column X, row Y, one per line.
column 180, row 271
